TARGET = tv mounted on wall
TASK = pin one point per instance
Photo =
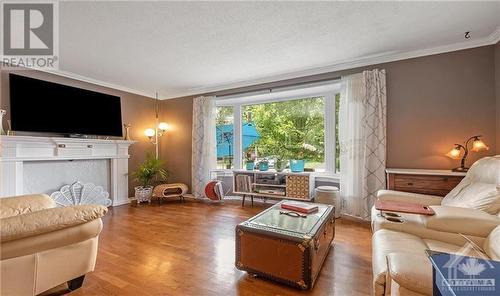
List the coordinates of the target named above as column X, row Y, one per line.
column 42, row 106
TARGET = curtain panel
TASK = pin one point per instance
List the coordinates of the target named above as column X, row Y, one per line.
column 362, row 136
column 203, row 158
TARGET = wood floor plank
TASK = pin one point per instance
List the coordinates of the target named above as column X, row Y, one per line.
column 188, row 249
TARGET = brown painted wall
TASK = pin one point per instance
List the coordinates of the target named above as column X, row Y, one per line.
column 136, row 110
column 432, row 103
column 497, row 91
column 176, row 143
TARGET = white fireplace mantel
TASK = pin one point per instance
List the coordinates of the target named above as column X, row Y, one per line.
column 15, row 151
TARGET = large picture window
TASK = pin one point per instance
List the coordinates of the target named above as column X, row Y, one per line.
column 293, row 129
column 295, row 125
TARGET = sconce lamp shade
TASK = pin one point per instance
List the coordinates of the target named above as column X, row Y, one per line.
column 149, row 132
column 478, row 145
column 454, row 153
column 163, row 126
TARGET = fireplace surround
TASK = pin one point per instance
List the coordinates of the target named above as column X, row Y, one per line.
column 17, row 151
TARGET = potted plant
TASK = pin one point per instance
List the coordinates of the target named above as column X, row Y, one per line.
column 264, row 165
column 280, row 163
column 147, row 174
column 297, row 165
column 249, row 161
column 281, row 158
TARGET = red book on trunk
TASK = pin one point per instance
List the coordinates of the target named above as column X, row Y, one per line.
column 300, row 207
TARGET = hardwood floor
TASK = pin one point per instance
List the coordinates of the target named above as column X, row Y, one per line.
column 188, row 249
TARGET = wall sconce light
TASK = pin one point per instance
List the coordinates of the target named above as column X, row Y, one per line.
column 154, row 134
column 477, row 145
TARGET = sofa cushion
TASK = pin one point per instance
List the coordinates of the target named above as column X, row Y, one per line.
column 479, row 189
column 414, row 277
column 385, row 242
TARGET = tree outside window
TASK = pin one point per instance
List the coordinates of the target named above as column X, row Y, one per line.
column 288, row 130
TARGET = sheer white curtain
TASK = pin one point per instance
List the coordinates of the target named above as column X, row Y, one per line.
column 362, row 136
column 203, row 158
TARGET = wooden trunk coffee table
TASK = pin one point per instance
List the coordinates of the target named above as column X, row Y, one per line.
column 284, row 248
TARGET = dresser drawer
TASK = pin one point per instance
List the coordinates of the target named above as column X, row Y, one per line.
column 425, row 184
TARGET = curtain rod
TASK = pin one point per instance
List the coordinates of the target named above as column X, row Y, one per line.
column 290, row 86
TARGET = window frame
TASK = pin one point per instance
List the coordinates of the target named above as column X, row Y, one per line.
column 327, row 91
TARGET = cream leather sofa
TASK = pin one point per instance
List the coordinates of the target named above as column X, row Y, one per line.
column 471, row 208
column 401, row 266
column 43, row 246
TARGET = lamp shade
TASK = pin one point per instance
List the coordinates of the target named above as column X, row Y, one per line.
column 454, row 153
column 163, row 126
column 478, row 145
column 149, row 132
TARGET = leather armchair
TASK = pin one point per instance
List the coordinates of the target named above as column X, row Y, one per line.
column 471, row 208
column 400, row 264
column 43, row 246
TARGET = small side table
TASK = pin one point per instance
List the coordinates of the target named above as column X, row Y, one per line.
column 170, row 190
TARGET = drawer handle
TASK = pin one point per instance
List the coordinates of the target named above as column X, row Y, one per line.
column 90, row 146
column 61, row 146
column 410, row 184
column 293, row 214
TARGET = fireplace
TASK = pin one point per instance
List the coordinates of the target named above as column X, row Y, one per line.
column 44, row 164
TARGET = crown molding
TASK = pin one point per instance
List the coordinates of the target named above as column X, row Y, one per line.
column 493, row 38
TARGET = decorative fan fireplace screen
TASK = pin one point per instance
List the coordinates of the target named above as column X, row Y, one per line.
column 79, row 193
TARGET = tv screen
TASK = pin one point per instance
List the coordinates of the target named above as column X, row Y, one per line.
column 42, row 106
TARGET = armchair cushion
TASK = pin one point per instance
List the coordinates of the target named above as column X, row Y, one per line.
column 48, row 220
column 18, row 205
column 461, row 220
column 421, row 199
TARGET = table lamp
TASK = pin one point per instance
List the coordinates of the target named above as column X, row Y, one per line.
column 456, row 152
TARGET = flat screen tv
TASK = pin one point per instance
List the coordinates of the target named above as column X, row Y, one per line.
column 42, row 106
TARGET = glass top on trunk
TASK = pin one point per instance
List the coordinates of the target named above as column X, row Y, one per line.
column 272, row 218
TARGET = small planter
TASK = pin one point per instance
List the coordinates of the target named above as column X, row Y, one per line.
column 250, row 165
column 263, row 166
column 297, row 165
column 143, row 194
column 280, row 165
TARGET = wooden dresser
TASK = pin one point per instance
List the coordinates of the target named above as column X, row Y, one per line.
column 433, row 182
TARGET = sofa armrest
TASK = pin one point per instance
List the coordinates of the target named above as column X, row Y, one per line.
column 461, row 220
column 18, row 205
column 50, row 240
column 48, row 220
column 421, row 199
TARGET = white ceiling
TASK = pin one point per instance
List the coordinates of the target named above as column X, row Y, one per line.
column 185, row 48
